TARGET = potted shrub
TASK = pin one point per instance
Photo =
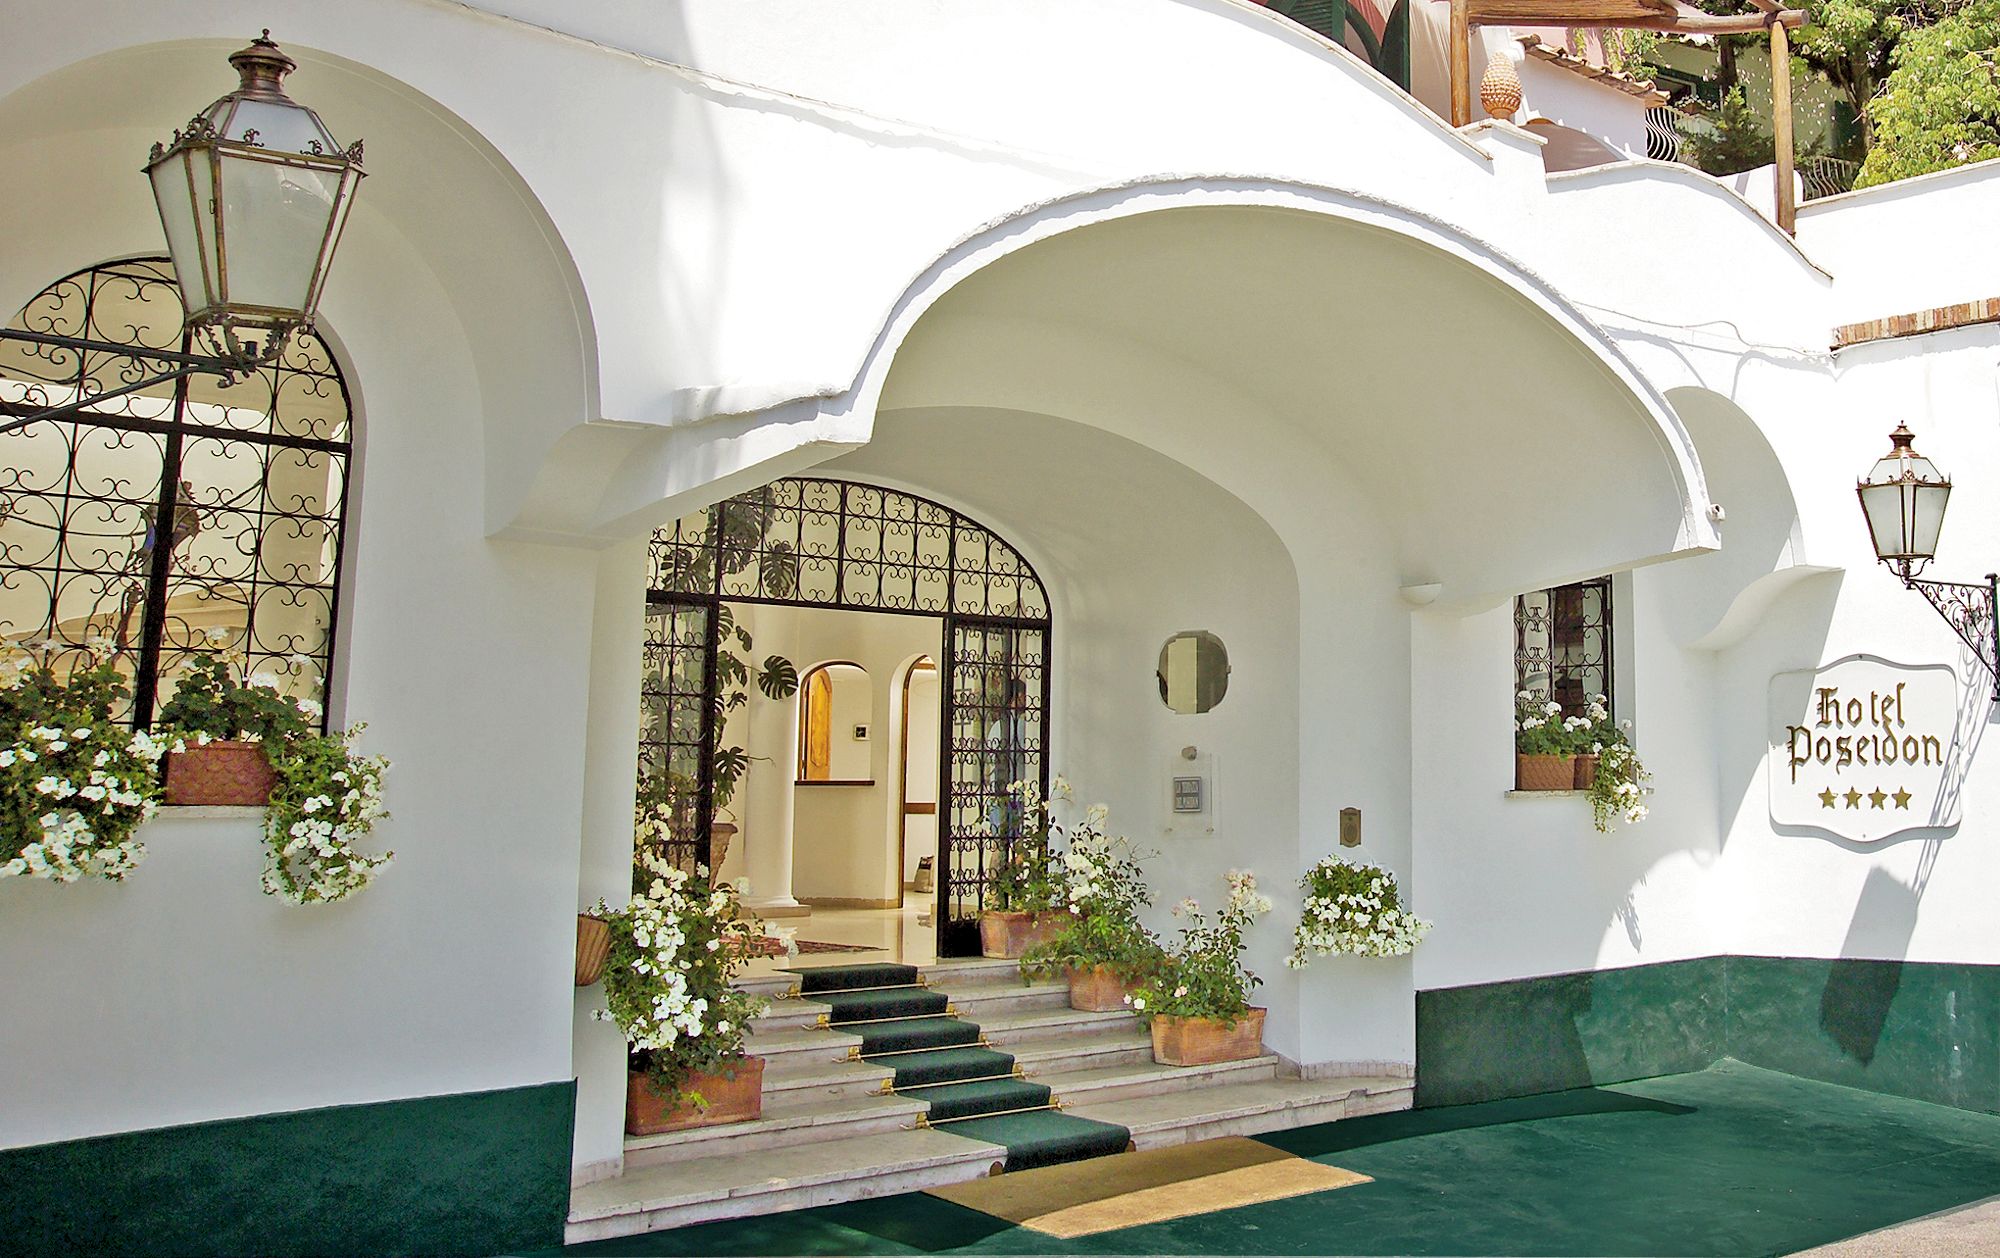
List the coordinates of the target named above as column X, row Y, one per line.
column 1545, row 744
column 220, row 726
column 674, row 948
column 1352, row 910
column 1102, row 948
column 320, row 795
column 75, row 785
column 1198, row 1003
column 1614, row 777
column 1026, row 897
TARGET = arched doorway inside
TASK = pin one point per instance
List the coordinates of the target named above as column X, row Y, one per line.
column 833, row 544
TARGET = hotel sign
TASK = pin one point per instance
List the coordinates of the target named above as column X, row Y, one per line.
column 1863, row 748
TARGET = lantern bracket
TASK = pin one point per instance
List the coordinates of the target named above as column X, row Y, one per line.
column 230, row 365
column 1969, row 609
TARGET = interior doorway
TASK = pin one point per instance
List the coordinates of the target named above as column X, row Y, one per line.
column 919, row 753
column 822, row 544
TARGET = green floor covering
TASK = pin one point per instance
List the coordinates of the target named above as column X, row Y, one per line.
column 1732, row 1160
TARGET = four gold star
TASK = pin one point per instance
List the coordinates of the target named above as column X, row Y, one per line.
column 1878, row 797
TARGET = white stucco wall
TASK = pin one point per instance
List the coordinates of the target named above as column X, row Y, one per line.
column 1219, row 329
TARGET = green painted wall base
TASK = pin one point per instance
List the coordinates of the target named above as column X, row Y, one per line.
column 1924, row 1030
column 475, row 1173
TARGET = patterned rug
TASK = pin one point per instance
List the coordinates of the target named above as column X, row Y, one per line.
column 814, row 945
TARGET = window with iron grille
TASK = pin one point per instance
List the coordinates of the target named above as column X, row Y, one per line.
column 1562, row 643
column 195, row 517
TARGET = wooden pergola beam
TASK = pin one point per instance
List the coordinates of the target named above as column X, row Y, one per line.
column 1646, row 15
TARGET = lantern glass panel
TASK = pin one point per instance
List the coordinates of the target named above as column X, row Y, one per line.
column 181, row 185
column 274, row 219
column 1884, row 507
column 1927, row 504
column 278, row 126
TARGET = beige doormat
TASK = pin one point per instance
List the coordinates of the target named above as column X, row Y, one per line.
column 1151, row 1186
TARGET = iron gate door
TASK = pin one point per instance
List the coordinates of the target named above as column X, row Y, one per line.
column 677, row 710
column 996, row 724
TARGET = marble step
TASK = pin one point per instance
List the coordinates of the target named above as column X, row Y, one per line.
column 790, row 1049
column 1130, row 1046
column 1008, row 1030
column 1077, row 1088
column 963, row 970
column 765, row 1181
column 788, row 1015
column 822, row 1081
column 786, row 1123
column 1246, row 1109
column 982, row 1001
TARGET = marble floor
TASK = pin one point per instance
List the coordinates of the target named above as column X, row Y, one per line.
column 890, row 934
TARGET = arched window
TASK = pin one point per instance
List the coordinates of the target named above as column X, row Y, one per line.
column 196, row 517
column 834, row 708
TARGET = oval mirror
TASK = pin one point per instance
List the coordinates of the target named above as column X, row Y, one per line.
column 1194, row 671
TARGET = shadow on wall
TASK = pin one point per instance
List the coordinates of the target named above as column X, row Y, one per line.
column 1854, row 1004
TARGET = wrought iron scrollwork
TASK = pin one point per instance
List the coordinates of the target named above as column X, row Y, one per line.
column 1562, row 643
column 1969, row 610
column 149, row 519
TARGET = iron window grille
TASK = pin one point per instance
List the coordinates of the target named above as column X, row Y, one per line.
column 1562, row 643
column 199, row 516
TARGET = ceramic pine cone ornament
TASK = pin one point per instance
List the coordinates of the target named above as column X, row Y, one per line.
column 1500, row 89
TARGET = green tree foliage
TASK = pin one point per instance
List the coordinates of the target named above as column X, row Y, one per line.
column 1853, row 42
column 1728, row 140
column 1941, row 105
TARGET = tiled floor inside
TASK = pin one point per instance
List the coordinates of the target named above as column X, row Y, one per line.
column 1733, row 1160
column 894, row 935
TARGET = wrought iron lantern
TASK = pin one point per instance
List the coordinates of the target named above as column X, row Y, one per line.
column 252, row 195
column 1903, row 498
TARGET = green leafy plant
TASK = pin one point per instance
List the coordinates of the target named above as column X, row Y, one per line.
column 675, row 946
column 1104, row 889
column 1541, row 729
column 74, row 785
column 1940, row 107
column 211, row 702
column 1029, row 877
column 1352, row 910
column 326, row 797
column 1202, row 974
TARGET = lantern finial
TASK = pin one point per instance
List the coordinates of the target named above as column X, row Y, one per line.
column 262, row 67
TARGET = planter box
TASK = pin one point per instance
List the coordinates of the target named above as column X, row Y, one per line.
column 1544, row 773
column 735, row 1097
column 1006, row 933
column 220, row 773
column 593, row 943
column 1096, row 990
column 1202, row 1041
column 1586, row 772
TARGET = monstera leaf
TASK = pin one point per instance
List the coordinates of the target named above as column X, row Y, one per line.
column 779, row 680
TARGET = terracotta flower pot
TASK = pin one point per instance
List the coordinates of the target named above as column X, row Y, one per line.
column 735, row 1096
column 719, row 835
column 1586, row 771
column 1096, row 990
column 230, row 773
column 1544, row 773
column 1200, row 1041
column 593, row 944
column 1008, row 933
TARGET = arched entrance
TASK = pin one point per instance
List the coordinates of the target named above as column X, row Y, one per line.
column 822, row 543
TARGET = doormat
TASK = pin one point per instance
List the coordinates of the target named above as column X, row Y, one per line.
column 814, row 945
column 1151, row 1186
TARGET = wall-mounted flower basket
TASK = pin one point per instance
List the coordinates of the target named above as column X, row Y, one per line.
column 1203, row 1041
column 1008, row 933
column 221, row 773
column 1096, row 989
column 733, row 1097
column 593, row 944
column 1544, row 773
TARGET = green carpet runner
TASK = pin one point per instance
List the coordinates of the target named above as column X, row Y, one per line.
column 971, row 1090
